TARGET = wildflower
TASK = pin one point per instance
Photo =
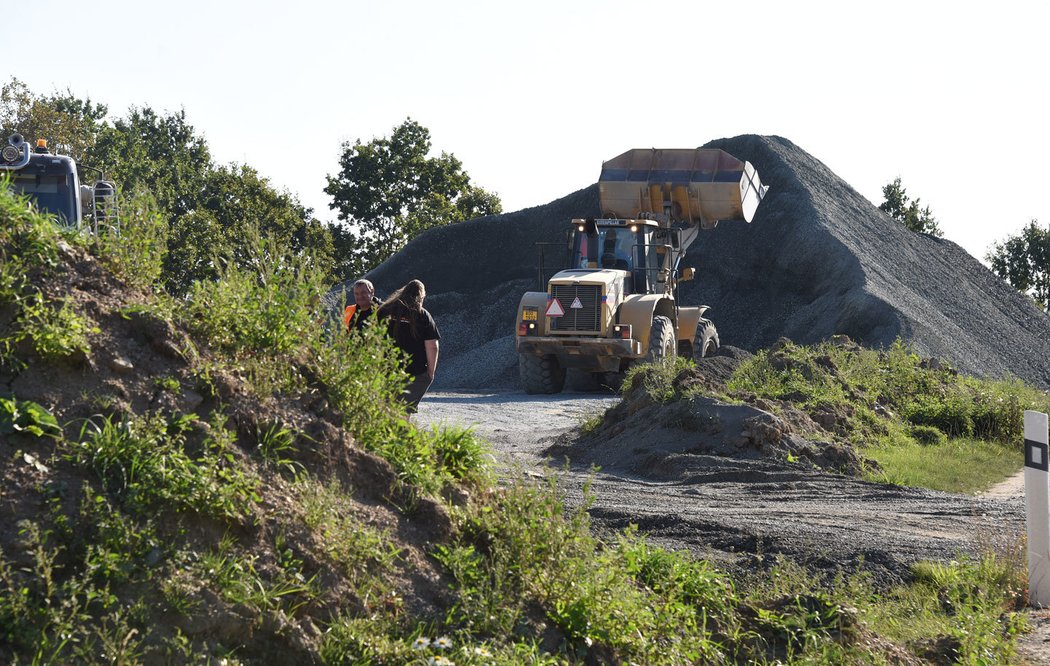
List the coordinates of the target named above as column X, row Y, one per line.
column 443, row 643
column 441, row 661
column 482, row 652
column 421, row 643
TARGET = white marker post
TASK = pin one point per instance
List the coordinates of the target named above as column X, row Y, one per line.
column 1037, row 507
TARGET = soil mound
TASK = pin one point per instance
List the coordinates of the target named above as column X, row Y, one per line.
column 696, row 438
column 141, row 364
column 818, row 260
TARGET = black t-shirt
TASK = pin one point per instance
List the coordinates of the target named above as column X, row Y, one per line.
column 410, row 330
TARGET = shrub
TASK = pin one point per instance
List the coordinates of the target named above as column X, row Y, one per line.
column 928, row 435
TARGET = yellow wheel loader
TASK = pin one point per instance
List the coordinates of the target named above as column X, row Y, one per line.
column 617, row 303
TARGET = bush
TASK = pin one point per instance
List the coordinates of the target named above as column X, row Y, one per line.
column 928, row 435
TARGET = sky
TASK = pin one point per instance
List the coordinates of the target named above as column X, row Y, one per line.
column 533, row 96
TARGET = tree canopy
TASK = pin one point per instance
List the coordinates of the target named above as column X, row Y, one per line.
column 209, row 209
column 390, row 190
column 897, row 205
column 1024, row 261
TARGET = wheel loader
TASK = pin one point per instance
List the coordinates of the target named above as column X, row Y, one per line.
column 616, row 304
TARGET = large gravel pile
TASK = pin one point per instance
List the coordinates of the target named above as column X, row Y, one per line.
column 818, row 259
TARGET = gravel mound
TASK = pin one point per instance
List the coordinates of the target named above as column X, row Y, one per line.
column 818, row 260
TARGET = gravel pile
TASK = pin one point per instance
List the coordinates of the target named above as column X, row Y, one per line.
column 818, row 260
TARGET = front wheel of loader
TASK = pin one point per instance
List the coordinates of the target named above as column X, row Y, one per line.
column 541, row 374
column 705, row 342
column 661, row 340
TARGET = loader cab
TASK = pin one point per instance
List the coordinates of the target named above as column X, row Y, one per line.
column 624, row 245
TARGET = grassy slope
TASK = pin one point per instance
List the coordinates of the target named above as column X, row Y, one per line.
column 219, row 478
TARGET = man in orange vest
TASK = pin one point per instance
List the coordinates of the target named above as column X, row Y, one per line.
column 358, row 315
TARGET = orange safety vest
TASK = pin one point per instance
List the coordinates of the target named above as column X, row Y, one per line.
column 348, row 315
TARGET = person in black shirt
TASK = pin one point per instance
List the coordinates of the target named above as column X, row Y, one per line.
column 414, row 332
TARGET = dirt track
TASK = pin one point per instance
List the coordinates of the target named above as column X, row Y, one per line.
column 743, row 511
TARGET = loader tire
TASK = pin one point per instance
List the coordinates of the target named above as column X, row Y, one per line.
column 541, row 374
column 705, row 342
column 662, row 344
column 583, row 381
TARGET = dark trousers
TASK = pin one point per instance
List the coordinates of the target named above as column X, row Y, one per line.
column 413, row 393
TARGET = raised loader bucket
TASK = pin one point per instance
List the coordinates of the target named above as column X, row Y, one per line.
column 701, row 186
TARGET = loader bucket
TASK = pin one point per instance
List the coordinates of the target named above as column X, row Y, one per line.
column 700, row 186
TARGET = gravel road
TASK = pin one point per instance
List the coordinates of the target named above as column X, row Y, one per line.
column 742, row 512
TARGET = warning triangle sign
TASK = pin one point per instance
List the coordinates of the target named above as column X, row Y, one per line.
column 576, row 304
column 554, row 308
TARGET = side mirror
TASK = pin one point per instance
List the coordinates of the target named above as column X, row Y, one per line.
column 687, row 274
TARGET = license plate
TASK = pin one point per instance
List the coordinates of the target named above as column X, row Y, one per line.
column 528, row 315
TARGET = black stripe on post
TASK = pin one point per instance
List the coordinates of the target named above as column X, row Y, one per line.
column 1035, row 455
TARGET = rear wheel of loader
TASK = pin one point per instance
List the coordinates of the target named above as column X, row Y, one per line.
column 541, row 374
column 661, row 340
column 705, row 342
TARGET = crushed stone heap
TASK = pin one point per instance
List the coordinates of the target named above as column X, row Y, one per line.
column 818, row 260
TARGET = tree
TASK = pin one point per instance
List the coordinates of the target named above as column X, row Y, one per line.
column 388, row 191
column 70, row 125
column 1024, row 262
column 900, row 208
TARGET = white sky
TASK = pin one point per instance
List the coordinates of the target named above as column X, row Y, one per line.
column 532, row 96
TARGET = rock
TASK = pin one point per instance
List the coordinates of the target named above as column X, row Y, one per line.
column 121, row 365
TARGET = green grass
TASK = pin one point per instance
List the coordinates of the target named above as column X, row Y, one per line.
column 960, row 465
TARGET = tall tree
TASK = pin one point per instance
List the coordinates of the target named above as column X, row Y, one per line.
column 898, row 206
column 1024, row 261
column 69, row 124
column 390, row 190
column 210, row 208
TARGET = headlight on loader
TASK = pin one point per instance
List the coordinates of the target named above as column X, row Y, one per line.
column 622, row 331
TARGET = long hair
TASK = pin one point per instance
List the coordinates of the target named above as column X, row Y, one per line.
column 408, row 297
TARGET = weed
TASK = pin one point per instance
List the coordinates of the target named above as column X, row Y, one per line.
column 144, row 462
column 276, row 445
column 27, row 417
column 364, row 553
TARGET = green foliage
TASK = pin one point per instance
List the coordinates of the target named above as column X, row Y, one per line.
column 899, row 207
column 965, row 606
column 626, row 602
column 180, row 211
column 55, row 330
column 263, row 309
column 147, row 465
column 138, row 253
column 928, row 435
column 365, row 554
column 896, row 383
column 27, row 417
column 656, row 379
column 234, row 574
column 390, row 191
column 68, row 123
column 960, row 465
column 1024, row 261
column 459, row 452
